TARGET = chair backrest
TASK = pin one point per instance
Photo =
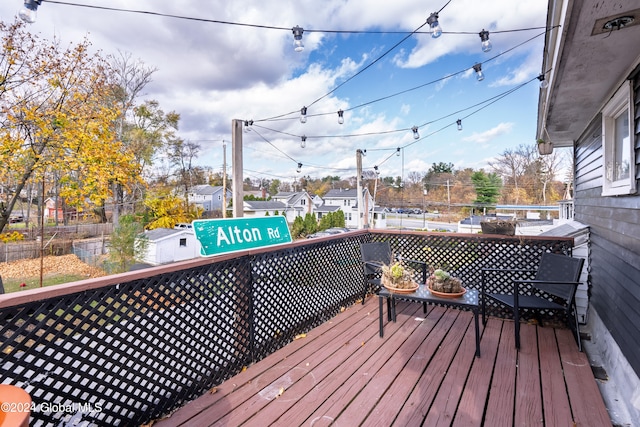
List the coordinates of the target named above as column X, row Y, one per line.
column 559, row 268
column 375, row 252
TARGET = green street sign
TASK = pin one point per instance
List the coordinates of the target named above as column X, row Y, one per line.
column 219, row 236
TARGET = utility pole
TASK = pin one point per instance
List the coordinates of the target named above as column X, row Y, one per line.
column 224, row 179
column 236, row 163
column 361, row 223
column 448, row 200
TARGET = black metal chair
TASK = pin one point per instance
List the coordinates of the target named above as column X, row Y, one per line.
column 376, row 254
column 554, row 288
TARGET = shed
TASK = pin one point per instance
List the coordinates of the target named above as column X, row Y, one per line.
column 168, row 245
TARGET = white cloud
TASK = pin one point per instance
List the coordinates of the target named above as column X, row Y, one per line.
column 489, row 135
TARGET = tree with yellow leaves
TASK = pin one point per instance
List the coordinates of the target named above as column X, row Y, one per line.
column 57, row 120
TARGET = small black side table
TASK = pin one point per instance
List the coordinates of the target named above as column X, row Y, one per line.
column 469, row 301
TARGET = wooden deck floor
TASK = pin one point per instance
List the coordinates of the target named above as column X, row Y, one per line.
column 422, row 373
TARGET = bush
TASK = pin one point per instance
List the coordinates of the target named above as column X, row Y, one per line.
column 13, row 236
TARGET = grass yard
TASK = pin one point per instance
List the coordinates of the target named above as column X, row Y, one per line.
column 55, row 270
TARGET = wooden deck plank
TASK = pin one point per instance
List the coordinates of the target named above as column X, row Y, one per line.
column 343, row 373
column 557, row 411
column 270, row 387
column 445, row 405
column 337, row 390
column 417, row 406
column 587, row 405
column 385, row 413
column 377, row 368
column 528, row 402
column 318, row 337
column 474, row 397
column 503, row 383
column 373, row 402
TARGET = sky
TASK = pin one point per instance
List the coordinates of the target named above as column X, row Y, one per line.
column 359, row 56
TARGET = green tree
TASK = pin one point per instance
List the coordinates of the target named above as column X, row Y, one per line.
column 487, row 187
column 127, row 245
column 297, row 228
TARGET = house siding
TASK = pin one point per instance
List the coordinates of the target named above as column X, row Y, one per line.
column 615, row 239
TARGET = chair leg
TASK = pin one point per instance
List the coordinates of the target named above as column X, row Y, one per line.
column 576, row 327
column 516, row 319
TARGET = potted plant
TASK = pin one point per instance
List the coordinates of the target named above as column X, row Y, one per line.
column 442, row 284
column 545, row 147
column 398, row 278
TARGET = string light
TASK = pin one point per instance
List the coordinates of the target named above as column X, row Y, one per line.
column 303, row 115
column 459, row 123
column 303, row 141
column 543, row 81
column 247, row 125
column 479, row 74
column 340, row 116
column 298, row 46
column 375, row 168
column 29, row 12
column 416, row 135
column 299, row 167
column 434, row 25
column 398, row 152
column 486, row 43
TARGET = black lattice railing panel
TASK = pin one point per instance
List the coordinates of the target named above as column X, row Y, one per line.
column 129, row 353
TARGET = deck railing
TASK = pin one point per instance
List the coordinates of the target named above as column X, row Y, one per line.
column 130, row 348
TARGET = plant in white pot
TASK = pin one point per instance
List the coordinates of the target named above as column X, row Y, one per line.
column 545, row 147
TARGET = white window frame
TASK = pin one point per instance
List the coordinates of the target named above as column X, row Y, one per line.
column 613, row 110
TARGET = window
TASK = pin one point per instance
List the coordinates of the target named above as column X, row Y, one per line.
column 618, row 148
column 183, row 242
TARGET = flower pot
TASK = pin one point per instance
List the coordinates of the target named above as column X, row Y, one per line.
column 545, row 148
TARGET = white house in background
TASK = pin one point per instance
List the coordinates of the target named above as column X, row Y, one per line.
column 347, row 201
column 208, row 197
column 259, row 208
column 166, row 245
column 295, row 204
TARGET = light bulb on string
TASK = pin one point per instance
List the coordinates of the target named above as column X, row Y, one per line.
column 298, row 46
column 434, row 25
column 398, row 152
column 303, row 115
column 29, row 12
column 543, row 81
column 303, row 141
column 459, row 123
column 247, row 125
column 299, row 167
column 479, row 74
column 486, row 43
column 340, row 117
column 416, row 135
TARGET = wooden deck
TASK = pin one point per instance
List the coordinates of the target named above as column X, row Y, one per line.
column 422, row 373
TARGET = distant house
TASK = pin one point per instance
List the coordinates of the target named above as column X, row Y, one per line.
column 591, row 104
column 347, row 201
column 166, row 245
column 53, row 210
column 208, row 197
column 295, row 204
column 259, row 208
